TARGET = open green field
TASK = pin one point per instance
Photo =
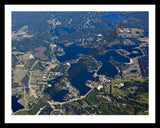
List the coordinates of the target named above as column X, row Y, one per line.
column 18, row 75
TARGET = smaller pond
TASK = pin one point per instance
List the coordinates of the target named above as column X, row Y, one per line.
column 58, row 29
column 15, row 105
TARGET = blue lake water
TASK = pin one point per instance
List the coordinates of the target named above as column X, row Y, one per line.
column 111, row 15
column 116, row 19
column 133, row 55
column 78, row 81
column 107, row 68
column 54, row 93
column 71, row 52
column 58, row 29
column 15, row 105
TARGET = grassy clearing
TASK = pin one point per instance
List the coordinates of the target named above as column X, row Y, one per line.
column 124, row 35
column 132, row 89
column 129, row 80
column 23, row 112
column 17, row 52
column 40, row 53
column 18, row 75
column 121, row 81
column 137, row 32
column 138, row 101
column 144, row 98
column 117, row 91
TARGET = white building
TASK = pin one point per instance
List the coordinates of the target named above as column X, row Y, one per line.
column 121, row 84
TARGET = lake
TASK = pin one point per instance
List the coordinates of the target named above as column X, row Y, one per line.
column 107, row 68
column 78, row 81
column 56, row 95
column 15, row 105
column 72, row 51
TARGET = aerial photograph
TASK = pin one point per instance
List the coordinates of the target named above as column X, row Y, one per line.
column 80, row 63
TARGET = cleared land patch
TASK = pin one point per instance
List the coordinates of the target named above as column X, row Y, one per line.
column 40, row 53
column 18, row 75
column 137, row 32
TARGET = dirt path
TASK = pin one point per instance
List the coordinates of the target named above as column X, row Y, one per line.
column 30, row 87
column 26, row 102
column 40, row 110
